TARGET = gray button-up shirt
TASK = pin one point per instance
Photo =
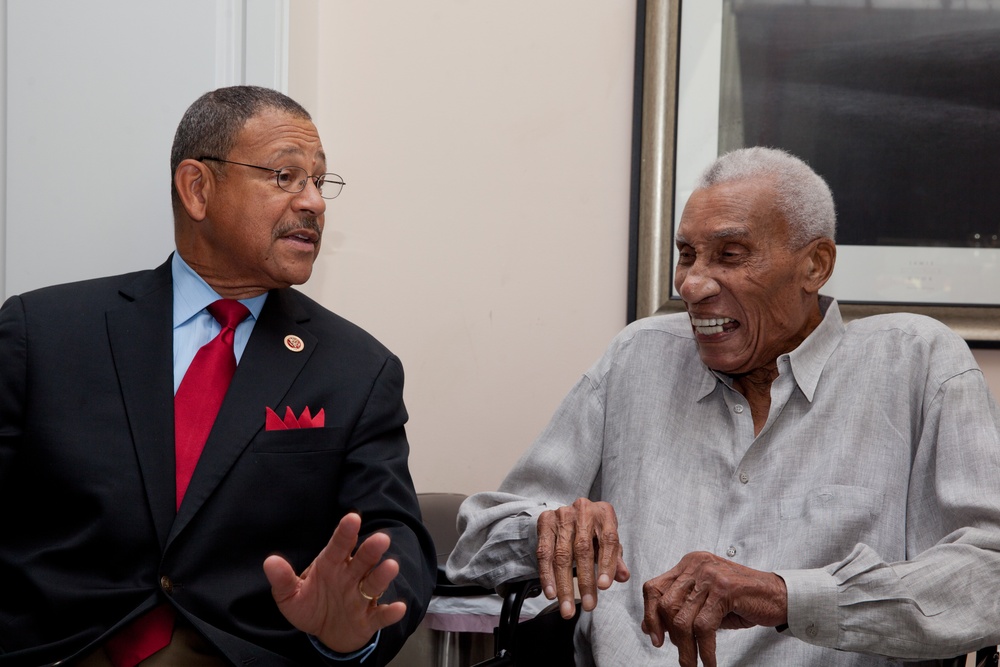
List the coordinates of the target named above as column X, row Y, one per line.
column 873, row 490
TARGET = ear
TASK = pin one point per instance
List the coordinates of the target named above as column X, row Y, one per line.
column 194, row 182
column 820, row 259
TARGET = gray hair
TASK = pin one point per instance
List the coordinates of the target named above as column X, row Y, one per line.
column 212, row 124
column 802, row 196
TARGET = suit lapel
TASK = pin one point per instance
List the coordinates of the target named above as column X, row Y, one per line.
column 265, row 373
column 140, row 332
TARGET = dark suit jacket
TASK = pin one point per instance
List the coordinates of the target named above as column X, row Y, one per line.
column 89, row 538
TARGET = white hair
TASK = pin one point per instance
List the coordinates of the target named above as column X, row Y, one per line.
column 802, row 196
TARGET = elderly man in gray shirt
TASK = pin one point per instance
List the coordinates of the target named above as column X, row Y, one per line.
column 823, row 493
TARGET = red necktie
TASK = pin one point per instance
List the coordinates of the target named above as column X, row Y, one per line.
column 196, row 404
column 200, row 394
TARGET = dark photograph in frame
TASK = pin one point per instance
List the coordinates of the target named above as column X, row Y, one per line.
column 898, row 109
column 895, row 103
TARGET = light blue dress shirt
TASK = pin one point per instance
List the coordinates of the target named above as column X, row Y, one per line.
column 194, row 326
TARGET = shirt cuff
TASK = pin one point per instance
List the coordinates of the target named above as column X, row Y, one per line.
column 362, row 653
column 812, row 606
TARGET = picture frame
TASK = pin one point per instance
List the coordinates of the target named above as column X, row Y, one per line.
column 670, row 150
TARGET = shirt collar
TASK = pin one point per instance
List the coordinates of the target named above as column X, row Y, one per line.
column 192, row 294
column 709, row 381
column 806, row 361
column 809, row 358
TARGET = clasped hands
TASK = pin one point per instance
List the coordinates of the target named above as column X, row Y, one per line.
column 335, row 599
column 701, row 594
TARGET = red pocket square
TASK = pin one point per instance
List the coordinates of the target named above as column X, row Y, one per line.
column 272, row 422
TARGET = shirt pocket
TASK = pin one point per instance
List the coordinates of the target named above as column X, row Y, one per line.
column 300, row 440
column 823, row 525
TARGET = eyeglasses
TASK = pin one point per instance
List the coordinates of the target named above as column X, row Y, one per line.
column 293, row 179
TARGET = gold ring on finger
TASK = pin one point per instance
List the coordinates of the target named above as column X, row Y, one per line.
column 371, row 598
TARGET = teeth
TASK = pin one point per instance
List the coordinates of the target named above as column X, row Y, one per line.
column 711, row 325
column 712, row 322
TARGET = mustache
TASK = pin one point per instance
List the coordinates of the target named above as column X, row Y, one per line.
column 310, row 223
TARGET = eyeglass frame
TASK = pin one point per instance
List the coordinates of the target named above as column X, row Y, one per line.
column 277, row 176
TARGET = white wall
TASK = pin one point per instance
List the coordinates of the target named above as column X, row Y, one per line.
column 483, row 231
column 94, row 91
column 87, row 144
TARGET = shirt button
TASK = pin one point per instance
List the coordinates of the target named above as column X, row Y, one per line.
column 731, row 551
column 744, row 477
column 812, row 630
column 738, row 409
column 166, row 584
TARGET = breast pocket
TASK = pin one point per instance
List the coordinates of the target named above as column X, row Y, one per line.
column 824, row 524
column 300, row 440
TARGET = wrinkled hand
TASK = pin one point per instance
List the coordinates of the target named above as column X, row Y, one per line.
column 325, row 601
column 568, row 536
column 704, row 593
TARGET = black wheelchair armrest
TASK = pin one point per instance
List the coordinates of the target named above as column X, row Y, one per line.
column 514, row 594
column 543, row 641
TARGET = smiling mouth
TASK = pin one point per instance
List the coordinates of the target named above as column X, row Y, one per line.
column 304, row 238
column 305, row 231
column 713, row 325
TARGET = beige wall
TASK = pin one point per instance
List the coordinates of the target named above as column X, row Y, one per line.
column 482, row 234
column 989, row 360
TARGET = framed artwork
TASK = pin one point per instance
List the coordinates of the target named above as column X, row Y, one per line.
column 895, row 103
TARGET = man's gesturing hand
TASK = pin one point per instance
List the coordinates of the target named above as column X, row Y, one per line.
column 704, row 593
column 327, row 601
column 568, row 536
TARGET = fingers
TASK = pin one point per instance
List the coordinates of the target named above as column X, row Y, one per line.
column 704, row 593
column 675, row 605
column 652, row 624
column 387, row 614
column 336, row 561
column 546, row 549
column 687, row 628
column 377, row 581
column 622, row 573
column 332, row 599
column 344, row 539
column 340, row 550
column 584, row 534
column 574, row 545
column 706, row 648
column 564, row 539
column 281, row 576
column 610, row 564
column 369, row 554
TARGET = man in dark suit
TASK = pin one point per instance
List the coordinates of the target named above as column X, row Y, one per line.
column 299, row 514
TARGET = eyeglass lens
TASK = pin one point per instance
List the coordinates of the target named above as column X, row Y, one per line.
column 293, row 179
